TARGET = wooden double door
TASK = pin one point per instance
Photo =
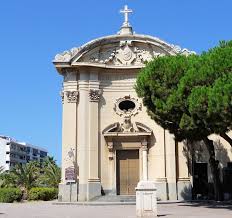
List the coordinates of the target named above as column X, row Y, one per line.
column 127, row 171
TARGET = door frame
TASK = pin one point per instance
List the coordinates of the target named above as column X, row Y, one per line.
column 116, row 165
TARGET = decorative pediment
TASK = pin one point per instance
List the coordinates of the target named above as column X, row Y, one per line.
column 126, row 54
column 118, row 51
column 126, row 128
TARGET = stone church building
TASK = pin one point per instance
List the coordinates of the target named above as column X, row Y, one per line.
column 109, row 143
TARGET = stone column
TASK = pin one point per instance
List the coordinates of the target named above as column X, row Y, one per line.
column 144, row 150
column 83, row 135
column 146, row 202
column 94, row 185
column 69, row 96
column 171, row 165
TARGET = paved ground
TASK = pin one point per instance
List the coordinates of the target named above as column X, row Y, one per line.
column 171, row 210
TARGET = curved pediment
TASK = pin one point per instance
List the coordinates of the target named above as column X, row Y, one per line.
column 118, row 51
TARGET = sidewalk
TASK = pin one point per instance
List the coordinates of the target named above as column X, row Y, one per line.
column 167, row 210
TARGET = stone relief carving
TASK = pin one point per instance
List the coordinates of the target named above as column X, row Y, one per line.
column 127, row 125
column 129, row 54
column 70, row 156
column 66, row 55
column 72, row 96
column 179, row 50
column 110, row 146
column 62, row 96
column 125, row 54
column 94, row 94
column 130, row 111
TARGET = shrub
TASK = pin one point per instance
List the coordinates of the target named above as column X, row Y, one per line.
column 9, row 195
column 42, row 193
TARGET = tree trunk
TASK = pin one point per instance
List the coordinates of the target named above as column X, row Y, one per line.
column 25, row 193
column 214, row 168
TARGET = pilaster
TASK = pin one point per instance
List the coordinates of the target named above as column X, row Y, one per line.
column 69, row 96
column 171, row 165
column 94, row 185
column 144, row 151
column 82, row 132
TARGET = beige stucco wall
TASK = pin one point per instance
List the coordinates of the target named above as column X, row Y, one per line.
column 84, row 122
column 117, row 84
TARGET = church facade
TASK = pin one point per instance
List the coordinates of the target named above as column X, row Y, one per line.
column 109, row 143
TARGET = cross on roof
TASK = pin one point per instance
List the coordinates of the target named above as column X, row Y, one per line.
column 126, row 12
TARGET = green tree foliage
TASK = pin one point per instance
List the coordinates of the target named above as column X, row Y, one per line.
column 42, row 193
column 7, row 180
column 191, row 96
column 51, row 174
column 33, row 174
column 25, row 175
column 9, row 195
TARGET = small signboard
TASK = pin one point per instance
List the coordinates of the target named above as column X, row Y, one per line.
column 70, row 174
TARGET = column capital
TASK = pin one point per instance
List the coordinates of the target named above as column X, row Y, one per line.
column 94, row 94
column 72, row 96
column 110, row 146
column 62, row 96
column 144, row 144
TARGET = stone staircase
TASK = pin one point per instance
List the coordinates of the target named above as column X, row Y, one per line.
column 116, row 198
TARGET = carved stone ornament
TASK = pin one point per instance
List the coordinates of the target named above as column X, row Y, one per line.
column 62, row 96
column 131, row 50
column 127, row 125
column 136, row 106
column 72, row 96
column 110, row 146
column 66, row 55
column 144, row 144
column 126, row 54
column 94, row 94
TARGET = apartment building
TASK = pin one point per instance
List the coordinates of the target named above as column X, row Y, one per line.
column 13, row 152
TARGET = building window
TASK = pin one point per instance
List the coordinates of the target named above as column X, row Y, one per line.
column 35, row 151
column 43, row 154
column 7, row 162
column 126, row 105
column 28, row 158
column 28, row 150
column 13, row 147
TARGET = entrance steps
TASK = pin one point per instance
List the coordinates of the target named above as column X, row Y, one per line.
column 115, row 198
column 104, row 200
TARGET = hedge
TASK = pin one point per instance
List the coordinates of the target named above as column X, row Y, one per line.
column 9, row 195
column 42, row 193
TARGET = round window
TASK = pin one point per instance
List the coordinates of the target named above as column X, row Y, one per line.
column 126, row 105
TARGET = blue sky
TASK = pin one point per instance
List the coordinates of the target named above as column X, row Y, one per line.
column 33, row 32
